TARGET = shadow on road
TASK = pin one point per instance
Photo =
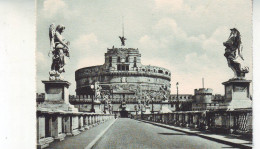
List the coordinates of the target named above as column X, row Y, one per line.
column 174, row 134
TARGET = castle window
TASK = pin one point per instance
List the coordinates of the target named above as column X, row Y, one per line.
column 127, row 59
column 160, row 71
column 135, row 62
column 122, row 67
column 166, row 72
column 110, row 59
column 118, row 59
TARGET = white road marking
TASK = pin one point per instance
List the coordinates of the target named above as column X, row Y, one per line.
column 91, row 144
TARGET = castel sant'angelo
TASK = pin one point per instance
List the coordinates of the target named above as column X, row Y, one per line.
column 125, row 77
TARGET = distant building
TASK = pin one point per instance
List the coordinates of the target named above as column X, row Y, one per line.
column 203, row 99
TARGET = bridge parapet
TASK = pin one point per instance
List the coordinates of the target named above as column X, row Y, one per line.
column 57, row 124
column 233, row 122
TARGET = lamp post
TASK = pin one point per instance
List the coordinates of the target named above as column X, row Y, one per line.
column 92, row 105
column 152, row 105
column 177, row 104
column 151, row 98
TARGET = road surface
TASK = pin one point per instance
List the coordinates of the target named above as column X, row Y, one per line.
column 132, row 134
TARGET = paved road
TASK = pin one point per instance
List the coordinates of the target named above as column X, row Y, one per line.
column 131, row 134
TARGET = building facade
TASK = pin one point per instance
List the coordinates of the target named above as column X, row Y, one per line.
column 124, row 78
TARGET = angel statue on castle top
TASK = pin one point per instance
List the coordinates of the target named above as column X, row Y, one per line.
column 59, row 49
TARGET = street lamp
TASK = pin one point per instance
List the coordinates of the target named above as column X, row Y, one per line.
column 92, row 105
column 177, row 104
column 152, row 105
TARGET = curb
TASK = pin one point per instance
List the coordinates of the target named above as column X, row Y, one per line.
column 244, row 146
column 93, row 143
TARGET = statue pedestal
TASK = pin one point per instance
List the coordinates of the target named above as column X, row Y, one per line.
column 57, row 96
column 237, row 94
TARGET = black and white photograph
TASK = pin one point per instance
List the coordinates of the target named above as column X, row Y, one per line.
column 131, row 74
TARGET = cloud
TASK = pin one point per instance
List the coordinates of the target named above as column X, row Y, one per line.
column 149, row 44
column 170, row 26
column 214, row 43
column 86, row 41
column 169, row 5
column 198, row 62
column 90, row 61
column 88, row 50
column 179, row 6
column 52, row 7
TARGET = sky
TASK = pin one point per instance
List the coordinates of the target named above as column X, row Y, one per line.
column 184, row 36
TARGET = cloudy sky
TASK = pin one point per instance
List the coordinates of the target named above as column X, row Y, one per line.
column 184, row 36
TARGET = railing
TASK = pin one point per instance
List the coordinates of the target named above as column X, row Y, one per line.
column 55, row 125
column 219, row 121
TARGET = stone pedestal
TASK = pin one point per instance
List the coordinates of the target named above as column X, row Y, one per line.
column 75, row 125
column 57, row 96
column 237, row 94
column 67, row 125
column 42, row 140
column 56, row 91
column 81, row 123
column 57, row 128
column 86, row 123
column 90, row 121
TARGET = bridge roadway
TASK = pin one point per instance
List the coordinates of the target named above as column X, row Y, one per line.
column 133, row 134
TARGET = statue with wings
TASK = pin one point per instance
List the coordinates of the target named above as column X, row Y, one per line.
column 233, row 54
column 122, row 39
column 59, row 49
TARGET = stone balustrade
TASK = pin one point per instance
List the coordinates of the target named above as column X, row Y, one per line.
column 56, row 125
column 217, row 121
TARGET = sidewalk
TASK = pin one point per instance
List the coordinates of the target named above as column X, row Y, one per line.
column 226, row 139
column 82, row 140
